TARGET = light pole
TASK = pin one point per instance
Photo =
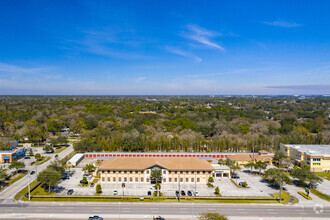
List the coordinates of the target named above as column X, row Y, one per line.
column 179, row 189
column 29, row 186
column 280, row 186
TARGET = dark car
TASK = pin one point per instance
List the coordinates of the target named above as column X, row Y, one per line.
column 70, row 192
column 27, row 158
column 95, row 217
column 56, row 156
column 235, row 176
column 92, row 184
column 32, row 172
column 82, row 182
column 183, row 193
column 189, row 193
column 149, row 193
column 177, row 193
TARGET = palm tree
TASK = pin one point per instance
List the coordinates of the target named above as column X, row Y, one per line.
column 250, row 164
column 156, row 173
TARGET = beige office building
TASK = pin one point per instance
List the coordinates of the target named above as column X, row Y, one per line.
column 316, row 156
column 138, row 170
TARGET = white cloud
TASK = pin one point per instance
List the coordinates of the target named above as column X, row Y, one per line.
column 281, row 23
column 183, row 53
column 202, row 36
column 141, row 78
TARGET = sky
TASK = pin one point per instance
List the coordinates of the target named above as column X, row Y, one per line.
column 149, row 47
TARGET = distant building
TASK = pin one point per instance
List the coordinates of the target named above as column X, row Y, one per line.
column 10, row 155
column 75, row 160
column 316, row 156
column 242, row 159
column 138, row 170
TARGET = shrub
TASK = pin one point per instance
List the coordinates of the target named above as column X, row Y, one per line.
column 84, row 180
column 217, row 190
column 98, row 188
column 155, row 193
column 157, row 186
column 305, row 195
column 244, row 184
column 211, row 216
column 210, row 180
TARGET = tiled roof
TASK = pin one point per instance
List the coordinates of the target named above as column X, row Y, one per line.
column 249, row 157
column 136, row 163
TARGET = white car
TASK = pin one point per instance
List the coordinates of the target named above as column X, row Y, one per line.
column 115, row 192
column 196, row 193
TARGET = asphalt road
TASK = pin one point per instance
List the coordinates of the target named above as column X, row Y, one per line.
column 10, row 191
column 62, row 210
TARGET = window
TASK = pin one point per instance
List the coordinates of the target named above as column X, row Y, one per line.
column 187, row 180
column 192, row 172
column 136, row 171
column 187, row 172
column 175, row 179
column 142, row 179
column 316, row 159
column 119, row 179
column 198, row 172
column 147, row 180
column 130, row 171
column 108, row 179
column 170, row 179
column 125, row 171
column 102, row 171
column 198, row 180
column 209, row 172
column 181, row 180
column 147, row 171
column 114, row 179
column 164, row 172
column 175, row 172
column 114, row 171
column 169, row 172
column 164, row 180
column 136, row 179
column 108, row 171
column 316, row 164
column 203, row 172
column 181, row 172
column 131, row 179
column 102, row 179
column 192, row 180
column 119, row 171
column 125, row 179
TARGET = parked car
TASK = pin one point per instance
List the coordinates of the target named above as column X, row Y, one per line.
column 95, row 217
column 27, row 158
column 183, row 193
column 189, row 193
column 70, row 192
column 56, row 156
column 82, row 182
column 149, row 193
column 314, row 185
column 115, row 192
column 158, row 218
column 235, row 176
column 32, row 172
column 92, row 184
column 177, row 192
column 240, row 183
column 196, row 193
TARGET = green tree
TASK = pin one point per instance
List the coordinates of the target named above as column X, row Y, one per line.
column 221, row 161
column 277, row 177
column 3, row 176
column 84, row 180
column 211, row 216
column 156, row 174
column 31, row 152
column 49, row 177
column 53, row 125
column 303, row 174
column 249, row 165
column 48, row 149
column 17, row 165
column 260, row 165
column 216, row 190
column 280, row 157
column 210, row 179
column 37, row 156
column 89, row 168
column 98, row 188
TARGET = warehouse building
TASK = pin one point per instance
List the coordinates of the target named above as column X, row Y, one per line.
column 75, row 160
column 139, row 170
column 242, row 159
column 316, row 156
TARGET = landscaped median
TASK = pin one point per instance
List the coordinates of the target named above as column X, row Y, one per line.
column 51, row 198
column 305, row 195
column 239, row 185
column 321, row 195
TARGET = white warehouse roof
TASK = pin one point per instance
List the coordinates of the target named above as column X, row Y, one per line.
column 76, row 158
column 313, row 150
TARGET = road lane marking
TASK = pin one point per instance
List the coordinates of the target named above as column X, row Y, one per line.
column 12, row 189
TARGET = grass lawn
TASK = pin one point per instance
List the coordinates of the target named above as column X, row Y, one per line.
column 41, row 191
column 60, row 150
column 95, row 180
column 44, row 160
column 325, row 175
column 321, row 195
column 285, row 197
column 16, row 178
column 25, row 190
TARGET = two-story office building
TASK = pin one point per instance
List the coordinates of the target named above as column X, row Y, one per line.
column 139, row 170
column 316, row 156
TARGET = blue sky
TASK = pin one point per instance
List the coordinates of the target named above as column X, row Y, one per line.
column 164, row 47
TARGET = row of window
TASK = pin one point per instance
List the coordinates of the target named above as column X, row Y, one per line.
column 316, row 159
column 124, row 179
column 164, row 172
column 175, row 180
column 316, row 164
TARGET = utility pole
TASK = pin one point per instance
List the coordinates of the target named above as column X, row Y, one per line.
column 280, row 186
column 179, row 189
